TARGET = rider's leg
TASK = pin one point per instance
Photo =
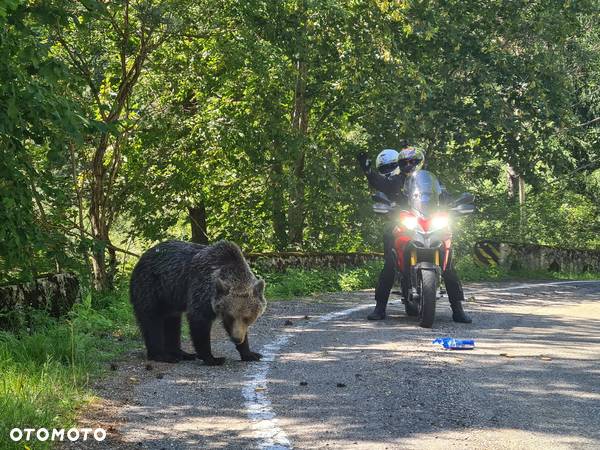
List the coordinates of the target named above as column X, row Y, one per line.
column 386, row 278
column 455, row 295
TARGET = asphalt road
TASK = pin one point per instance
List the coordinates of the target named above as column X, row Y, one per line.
column 335, row 380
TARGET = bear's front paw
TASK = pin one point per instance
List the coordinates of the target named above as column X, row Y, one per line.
column 251, row 356
column 187, row 356
column 212, row 361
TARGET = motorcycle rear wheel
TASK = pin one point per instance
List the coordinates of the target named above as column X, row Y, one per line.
column 428, row 287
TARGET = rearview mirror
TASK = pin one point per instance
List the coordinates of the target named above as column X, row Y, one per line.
column 465, row 198
column 381, row 208
column 380, row 197
column 464, row 209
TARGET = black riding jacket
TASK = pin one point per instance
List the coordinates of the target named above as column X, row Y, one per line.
column 392, row 186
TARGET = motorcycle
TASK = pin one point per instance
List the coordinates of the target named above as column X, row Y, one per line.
column 422, row 240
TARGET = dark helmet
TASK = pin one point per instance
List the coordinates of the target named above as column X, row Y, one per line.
column 410, row 159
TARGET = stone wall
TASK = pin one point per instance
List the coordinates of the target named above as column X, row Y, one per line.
column 539, row 257
column 55, row 293
column 281, row 261
column 511, row 255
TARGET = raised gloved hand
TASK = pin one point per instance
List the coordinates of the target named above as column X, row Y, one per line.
column 363, row 160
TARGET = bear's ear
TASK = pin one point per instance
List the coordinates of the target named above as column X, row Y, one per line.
column 259, row 288
column 222, row 287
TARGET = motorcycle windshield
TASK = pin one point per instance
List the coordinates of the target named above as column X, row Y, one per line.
column 423, row 191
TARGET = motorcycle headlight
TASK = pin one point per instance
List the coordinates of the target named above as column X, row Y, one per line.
column 439, row 222
column 409, row 222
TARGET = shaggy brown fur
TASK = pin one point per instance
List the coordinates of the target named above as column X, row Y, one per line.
column 206, row 282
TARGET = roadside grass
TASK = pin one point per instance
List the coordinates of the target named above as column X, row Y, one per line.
column 46, row 367
column 302, row 282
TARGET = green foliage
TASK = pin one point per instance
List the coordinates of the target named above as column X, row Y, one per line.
column 36, row 119
column 304, row 282
column 118, row 118
column 554, row 216
column 46, row 368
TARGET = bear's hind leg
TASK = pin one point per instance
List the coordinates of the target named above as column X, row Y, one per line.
column 172, row 327
column 200, row 332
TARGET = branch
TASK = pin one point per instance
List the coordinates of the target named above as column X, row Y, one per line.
column 77, row 190
column 81, row 67
column 108, row 244
column 590, row 122
column 573, row 172
column 125, row 37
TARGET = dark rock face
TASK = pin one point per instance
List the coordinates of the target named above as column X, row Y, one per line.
column 56, row 294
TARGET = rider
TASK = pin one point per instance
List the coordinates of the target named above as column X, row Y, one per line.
column 390, row 179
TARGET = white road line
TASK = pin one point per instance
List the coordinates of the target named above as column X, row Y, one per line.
column 258, row 407
column 530, row 285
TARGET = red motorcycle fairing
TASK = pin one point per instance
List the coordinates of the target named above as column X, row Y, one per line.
column 424, row 223
column 403, row 236
column 400, row 242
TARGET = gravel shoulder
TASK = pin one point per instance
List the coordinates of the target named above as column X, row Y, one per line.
column 531, row 382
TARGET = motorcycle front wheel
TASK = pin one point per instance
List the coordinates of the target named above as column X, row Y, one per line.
column 410, row 305
column 428, row 286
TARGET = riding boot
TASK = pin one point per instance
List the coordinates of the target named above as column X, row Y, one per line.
column 382, row 291
column 458, row 313
column 456, row 295
column 379, row 311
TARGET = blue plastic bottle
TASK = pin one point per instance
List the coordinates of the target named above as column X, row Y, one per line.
column 455, row 344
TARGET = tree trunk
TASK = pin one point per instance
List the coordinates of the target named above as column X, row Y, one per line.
column 296, row 213
column 113, row 263
column 522, row 210
column 522, row 196
column 102, row 209
column 98, row 217
column 197, row 216
column 277, row 206
column 512, row 181
column 101, row 282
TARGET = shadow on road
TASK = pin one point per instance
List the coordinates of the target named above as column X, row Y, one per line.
column 533, row 370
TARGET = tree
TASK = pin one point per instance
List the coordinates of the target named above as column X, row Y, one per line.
column 36, row 122
column 109, row 44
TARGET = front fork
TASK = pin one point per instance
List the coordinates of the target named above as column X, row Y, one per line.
column 411, row 292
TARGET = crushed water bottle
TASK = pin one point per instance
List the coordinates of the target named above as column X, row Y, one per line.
column 455, row 344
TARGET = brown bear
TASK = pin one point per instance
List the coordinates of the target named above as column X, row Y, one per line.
column 204, row 281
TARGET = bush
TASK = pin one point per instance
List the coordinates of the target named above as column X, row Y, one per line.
column 46, row 368
column 301, row 282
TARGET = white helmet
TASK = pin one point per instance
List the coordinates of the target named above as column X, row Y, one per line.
column 387, row 162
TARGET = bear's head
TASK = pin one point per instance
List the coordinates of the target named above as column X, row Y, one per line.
column 239, row 304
